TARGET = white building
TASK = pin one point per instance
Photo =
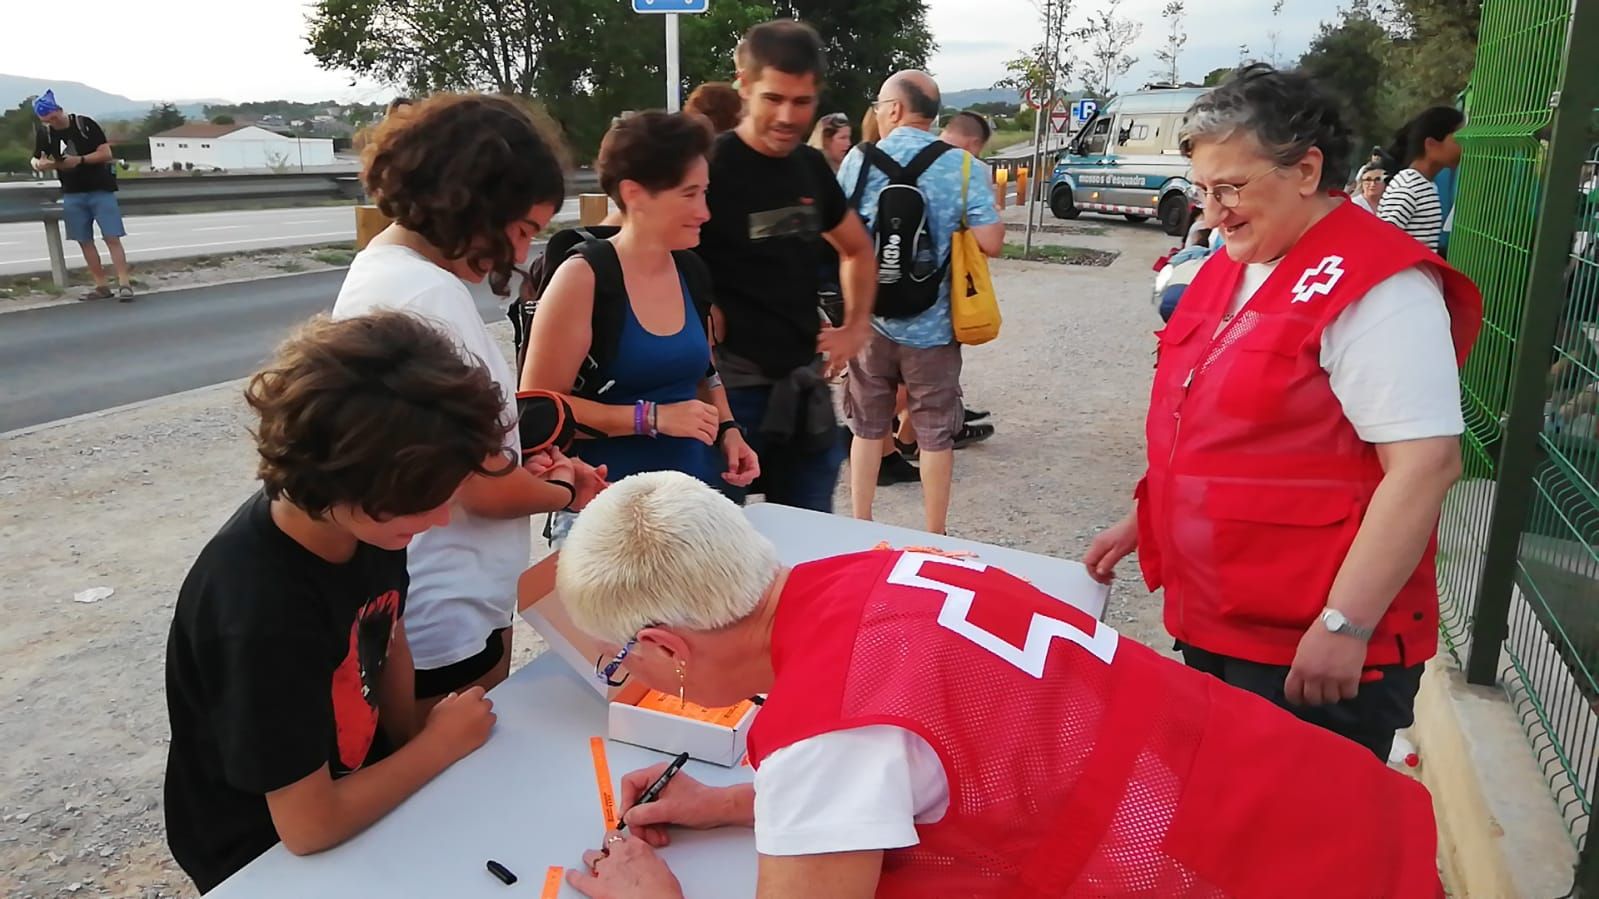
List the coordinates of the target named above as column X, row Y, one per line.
column 236, row 148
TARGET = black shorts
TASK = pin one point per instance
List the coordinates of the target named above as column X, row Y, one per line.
column 436, row 682
column 1370, row 719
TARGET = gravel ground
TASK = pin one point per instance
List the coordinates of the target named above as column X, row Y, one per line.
column 125, row 499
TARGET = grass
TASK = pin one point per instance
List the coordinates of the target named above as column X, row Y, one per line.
column 1061, row 255
column 333, row 256
column 289, row 265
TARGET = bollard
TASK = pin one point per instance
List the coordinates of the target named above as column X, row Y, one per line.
column 1021, row 187
column 592, row 209
column 58, row 259
column 1001, row 176
column 369, row 221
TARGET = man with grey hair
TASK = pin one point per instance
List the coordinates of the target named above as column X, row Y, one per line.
column 914, row 349
column 921, row 710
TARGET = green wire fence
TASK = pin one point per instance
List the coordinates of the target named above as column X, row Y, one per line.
column 1518, row 567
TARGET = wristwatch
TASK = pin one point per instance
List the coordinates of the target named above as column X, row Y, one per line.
column 730, row 425
column 1336, row 622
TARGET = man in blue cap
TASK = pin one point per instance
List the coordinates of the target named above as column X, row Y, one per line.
column 76, row 149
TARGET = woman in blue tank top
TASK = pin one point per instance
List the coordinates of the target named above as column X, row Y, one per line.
column 657, row 400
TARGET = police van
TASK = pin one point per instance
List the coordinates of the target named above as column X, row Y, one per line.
column 1125, row 161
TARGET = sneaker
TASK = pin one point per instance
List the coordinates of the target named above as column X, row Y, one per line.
column 976, row 415
column 897, row 470
column 99, row 293
column 971, row 434
column 125, row 294
column 908, row 450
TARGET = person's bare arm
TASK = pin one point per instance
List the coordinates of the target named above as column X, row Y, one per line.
column 991, row 238
column 515, row 495
column 837, row 875
column 101, row 155
column 559, row 339
column 1399, row 523
column 857, row 270
column 317, row 812
column 397, row 689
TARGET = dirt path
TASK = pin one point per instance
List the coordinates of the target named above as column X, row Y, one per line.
column 124, row 500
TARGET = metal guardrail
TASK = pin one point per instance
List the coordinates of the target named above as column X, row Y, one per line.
column 42, row 203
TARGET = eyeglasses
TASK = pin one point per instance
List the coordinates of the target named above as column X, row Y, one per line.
column 877, row 103
column 1228, row 196
column 836, row 119
column 608, row 672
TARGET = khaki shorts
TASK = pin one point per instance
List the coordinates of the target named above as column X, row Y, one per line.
column 932, row 379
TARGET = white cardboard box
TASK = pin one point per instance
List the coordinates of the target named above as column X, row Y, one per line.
column 706, row 741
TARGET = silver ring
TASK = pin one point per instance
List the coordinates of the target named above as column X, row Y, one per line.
column 615, row 838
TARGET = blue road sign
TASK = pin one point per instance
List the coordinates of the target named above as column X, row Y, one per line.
column 671, row 6
column 1082, row 110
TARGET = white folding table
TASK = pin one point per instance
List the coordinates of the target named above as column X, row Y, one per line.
column 528, row 797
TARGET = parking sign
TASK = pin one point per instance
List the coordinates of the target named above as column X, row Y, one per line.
column 671, row 6
column 1082, row 110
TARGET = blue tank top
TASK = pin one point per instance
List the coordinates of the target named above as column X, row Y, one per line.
column 662, row 370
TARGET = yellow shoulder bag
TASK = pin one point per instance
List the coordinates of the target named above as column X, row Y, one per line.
column 973, row 307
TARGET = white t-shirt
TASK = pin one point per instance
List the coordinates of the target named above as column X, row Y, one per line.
column 848, row 791
column 463, row 575
column 1389, row 357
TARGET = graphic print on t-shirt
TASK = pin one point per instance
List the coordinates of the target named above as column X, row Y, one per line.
column 355, row 710
column 789, row 221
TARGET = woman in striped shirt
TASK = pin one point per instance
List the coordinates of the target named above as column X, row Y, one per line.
column 1411, row 200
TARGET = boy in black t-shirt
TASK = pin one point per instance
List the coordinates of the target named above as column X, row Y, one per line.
column 288, row 677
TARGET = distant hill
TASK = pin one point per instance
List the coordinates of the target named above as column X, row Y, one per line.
column 78, row 97
column 974, row 96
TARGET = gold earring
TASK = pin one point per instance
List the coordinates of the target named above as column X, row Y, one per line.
column 681, row 680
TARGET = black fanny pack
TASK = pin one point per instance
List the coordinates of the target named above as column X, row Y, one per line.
column 545, row 421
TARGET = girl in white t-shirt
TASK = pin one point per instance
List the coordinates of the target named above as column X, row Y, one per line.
column 469, row 181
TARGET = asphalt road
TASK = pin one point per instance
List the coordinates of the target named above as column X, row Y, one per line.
column 22, row 246
column 67, row 360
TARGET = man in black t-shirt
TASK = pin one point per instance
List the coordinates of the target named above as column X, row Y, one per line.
column 772, row 200
column 289, row 680
column 76, row 149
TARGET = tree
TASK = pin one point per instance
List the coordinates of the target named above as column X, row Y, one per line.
column 1109, row 37
column 1217, row 76
column 161, row 117
column 222, row 120
column 1347, row 59
column 1175, row 39
column 1431, row 54
column 586, row 61
column 1275, row 36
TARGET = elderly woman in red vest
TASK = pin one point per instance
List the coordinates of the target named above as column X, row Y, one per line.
column 1303, row 426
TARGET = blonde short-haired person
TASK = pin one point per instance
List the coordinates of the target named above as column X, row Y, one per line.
column 935, row 726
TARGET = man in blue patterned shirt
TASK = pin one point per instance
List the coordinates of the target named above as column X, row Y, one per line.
column 918, row 352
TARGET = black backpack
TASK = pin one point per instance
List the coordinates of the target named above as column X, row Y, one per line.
column 610, row 298
column 909, row 273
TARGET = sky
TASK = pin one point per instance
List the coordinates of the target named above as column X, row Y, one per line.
column 192, row 49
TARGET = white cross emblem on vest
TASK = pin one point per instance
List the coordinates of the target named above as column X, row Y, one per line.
column 1330, row 272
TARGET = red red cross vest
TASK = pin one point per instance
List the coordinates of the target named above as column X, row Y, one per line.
column 1257, row 483
column 1080, row 764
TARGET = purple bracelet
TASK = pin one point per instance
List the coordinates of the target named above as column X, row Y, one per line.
column 639, row 422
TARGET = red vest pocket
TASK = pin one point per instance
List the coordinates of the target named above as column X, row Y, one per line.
column 1264, row 365
column 1277, row 549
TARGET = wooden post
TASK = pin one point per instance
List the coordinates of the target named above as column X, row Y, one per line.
column 1021, row 186
column 593, row 208
column 369, row 220
column 58, row 258
column 1001, row 176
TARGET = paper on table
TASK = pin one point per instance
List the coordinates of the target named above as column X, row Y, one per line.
column 730, row 716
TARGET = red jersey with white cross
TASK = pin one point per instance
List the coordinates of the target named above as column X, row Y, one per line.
column 1080, row 764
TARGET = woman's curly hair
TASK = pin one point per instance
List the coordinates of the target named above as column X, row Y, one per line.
column 1287, row 112
column 458, row 168
column 379, row 412
column 719, row 103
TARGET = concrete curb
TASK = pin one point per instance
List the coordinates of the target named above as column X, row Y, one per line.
column 235, row 384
